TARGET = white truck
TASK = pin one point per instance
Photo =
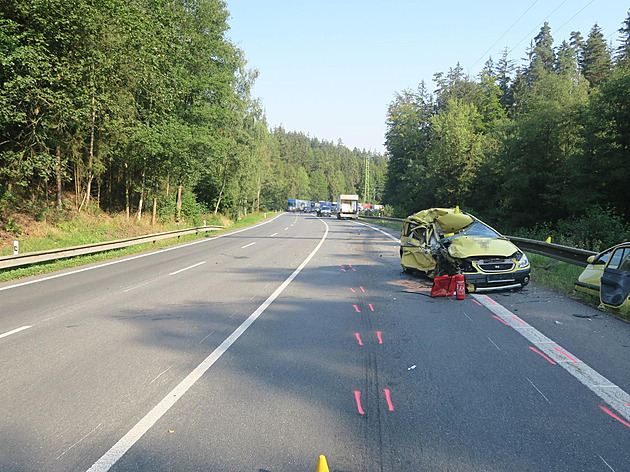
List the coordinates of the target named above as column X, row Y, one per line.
column 348, row 206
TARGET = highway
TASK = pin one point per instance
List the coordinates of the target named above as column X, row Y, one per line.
column 260, row 349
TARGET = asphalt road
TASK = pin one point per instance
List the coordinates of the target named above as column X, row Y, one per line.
column 263, row 348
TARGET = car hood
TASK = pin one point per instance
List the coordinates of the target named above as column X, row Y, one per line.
column 472, row 246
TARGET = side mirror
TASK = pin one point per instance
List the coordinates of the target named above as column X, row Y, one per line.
column 590, row 259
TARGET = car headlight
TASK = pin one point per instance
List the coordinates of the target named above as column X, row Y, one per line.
column 523, row 261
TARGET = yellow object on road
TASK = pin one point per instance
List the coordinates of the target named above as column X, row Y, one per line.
column 322, row 465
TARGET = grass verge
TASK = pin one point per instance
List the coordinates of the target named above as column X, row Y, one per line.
column 102, row 234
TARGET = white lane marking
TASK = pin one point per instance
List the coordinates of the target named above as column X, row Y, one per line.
column 206, row 337
column 187, row 268
column 17, row 330
column 273, row 235
column 247, row 245
column 543, row 395
column 495, row 344
column 379, row 230
column 139, row 256
column 137, row 286
column 58, row 457
column 597, row 383
column 128, row 440
column 286, row 229
column 161, row 374
column 467, row 316
column 606, row 463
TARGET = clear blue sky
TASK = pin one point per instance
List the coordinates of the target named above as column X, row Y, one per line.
column 329, row 68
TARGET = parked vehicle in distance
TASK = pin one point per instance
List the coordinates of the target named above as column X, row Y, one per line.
column 348, row 207
column 446, row 241
column 607, row 277
column 324, row 210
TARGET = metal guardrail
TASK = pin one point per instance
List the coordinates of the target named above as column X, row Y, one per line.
column 558, row 252
column 28, row 258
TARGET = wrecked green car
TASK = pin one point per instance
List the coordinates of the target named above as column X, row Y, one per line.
column 446, row 241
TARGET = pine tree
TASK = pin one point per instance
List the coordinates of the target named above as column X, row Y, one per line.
column 596, row 63
column 542, row 55
column 623, row 51
column 503, row 72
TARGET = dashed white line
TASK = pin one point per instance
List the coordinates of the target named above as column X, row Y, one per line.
column 272, row 235
column 187, row 268
column 286, row 229
column 606, row 463
column 118, row 261
column 58, row 457
column 247, row 245
column 543, row 395
column 17, row 330
column 206, row 337
column 109, row 459
column 495, row 344
column 160, row 374
column 137, row 286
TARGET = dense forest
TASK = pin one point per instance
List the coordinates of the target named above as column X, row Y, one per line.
column 545, row 145
column 144, row 106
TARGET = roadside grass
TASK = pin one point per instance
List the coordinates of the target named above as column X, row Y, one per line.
column 553, row 274
column 74, row 234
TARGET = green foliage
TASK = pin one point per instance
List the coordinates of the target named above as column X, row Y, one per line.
column 546, row 147
column 12, row 227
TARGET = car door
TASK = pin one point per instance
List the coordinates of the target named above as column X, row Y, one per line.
column 615, row 282
column 414, row 251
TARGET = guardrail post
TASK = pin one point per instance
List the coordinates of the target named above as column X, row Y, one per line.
column 16, row 248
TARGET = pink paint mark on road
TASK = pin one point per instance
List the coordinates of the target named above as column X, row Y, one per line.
column 491, row 300
column 477, row 302
column 502, row 321
column 565, row 354
column 608, row 412
column 388, row 397
column 356, row 308
column 350, row 265
column 342, row 268
column 519, row 320
column 379, row 336
column 362, row 289
column 357, row 397
column 371, row 307
column 353, row 290
column 540, row 353
column 358, row 336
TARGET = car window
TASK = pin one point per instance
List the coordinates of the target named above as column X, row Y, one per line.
column 476, row 228
column 602, row 258
column 620, row 259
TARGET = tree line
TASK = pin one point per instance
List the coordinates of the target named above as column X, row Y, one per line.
column 543, row 143
column 136, row 105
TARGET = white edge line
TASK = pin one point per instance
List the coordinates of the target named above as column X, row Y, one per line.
column 153, row 253
column 17, row 330
column 134, row 434
column 187, row 268
column 379, row 230
column 247, row 245
column 593, row 380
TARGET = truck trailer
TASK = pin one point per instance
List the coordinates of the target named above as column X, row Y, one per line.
column 348, row 207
